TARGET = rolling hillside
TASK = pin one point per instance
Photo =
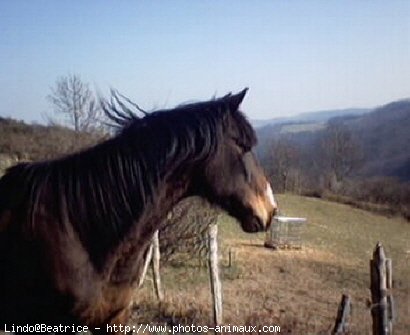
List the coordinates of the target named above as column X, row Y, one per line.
column 311, row 117
column 383, row 134
column 385, row 137
column 297, row 290
column 21, row 142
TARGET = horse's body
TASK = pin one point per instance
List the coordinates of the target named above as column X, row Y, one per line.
column 74, row 231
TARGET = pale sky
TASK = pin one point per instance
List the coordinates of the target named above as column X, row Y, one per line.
column 295, row 56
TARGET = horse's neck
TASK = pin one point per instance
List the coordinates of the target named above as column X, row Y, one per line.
column 125, row 265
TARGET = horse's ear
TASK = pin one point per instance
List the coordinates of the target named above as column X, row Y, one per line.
column 236, row 99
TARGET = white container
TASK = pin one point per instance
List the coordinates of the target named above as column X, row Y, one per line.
column 285, row 232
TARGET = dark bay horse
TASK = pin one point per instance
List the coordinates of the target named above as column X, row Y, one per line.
column 74, row 231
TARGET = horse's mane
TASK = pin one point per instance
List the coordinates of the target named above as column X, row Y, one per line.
column 102, row 190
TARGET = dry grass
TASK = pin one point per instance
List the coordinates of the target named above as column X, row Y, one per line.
column 297, row 290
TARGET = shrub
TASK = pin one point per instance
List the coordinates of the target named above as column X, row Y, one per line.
column 37, row 142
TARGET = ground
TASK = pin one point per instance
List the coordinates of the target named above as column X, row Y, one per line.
column 299, row 290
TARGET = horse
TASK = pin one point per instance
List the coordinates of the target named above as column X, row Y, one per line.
column 74, row 231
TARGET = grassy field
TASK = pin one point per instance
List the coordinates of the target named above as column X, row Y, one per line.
column 296, row 290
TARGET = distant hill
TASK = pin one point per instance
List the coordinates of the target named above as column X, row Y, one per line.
column 383, row 133
column 311, row 117
column 385, row 137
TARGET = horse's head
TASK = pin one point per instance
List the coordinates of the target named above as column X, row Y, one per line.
column 232, row 177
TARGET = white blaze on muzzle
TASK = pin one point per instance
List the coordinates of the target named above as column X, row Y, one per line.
column 270, row 196
column 264, row 205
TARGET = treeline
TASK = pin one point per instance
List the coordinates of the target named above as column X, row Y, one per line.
column 329, row 164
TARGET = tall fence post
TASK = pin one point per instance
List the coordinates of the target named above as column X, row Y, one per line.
column 382, row 302
column 155, row 266
column 147, row 262
column 216, row 286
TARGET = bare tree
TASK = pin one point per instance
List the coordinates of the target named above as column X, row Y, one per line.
column 342, row 153
column 185, row 231
column 73, row 98
column 282, row 160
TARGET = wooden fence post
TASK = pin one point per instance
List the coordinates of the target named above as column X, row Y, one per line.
column 382, row 301
column 155, row 266
column 342, row 318
column 216, row 286
column 147, row 262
